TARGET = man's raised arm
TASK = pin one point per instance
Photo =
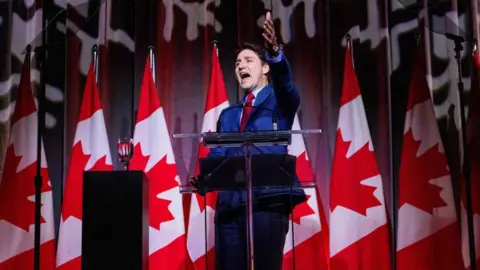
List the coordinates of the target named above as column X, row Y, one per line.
column 286, row 93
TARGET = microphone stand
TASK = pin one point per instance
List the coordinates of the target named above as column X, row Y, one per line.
column 41, row 55
column 458, row 40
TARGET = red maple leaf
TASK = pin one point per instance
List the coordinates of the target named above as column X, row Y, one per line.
column 161, row 178
column 474, row 181
column 16, row 187
column 304, row 170
column 211, row 200
column 416, row 172
column 302, row 210
column 475, row 185
column 474, row 156
column 211, row 197
column 72, row 202
column 347, row 173
column 304, row 174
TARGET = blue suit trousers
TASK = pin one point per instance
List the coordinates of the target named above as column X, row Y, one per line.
column 270, row 227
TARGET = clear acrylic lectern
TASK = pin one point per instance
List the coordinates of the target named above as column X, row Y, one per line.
column 270, row 171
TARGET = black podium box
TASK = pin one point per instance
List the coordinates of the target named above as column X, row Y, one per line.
column 115, row 220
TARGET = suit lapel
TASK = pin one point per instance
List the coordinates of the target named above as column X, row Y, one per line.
column 236, row 116
column 263, row 95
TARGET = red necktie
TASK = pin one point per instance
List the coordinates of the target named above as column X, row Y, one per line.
column 247, row 109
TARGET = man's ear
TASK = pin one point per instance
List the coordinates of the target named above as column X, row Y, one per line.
column 265, row 68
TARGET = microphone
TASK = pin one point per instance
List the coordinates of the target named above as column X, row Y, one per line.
column 274, row 117
column 454, row 37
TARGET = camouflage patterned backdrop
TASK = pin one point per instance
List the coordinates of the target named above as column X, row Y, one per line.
column 182, row 31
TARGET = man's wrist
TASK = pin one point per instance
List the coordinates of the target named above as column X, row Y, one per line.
column 274, row 58
column 274, row 50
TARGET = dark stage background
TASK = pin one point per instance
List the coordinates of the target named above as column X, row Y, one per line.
column 182, row 32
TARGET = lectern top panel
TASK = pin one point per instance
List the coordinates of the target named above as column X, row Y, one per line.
column 302, row 185
column 263, row 133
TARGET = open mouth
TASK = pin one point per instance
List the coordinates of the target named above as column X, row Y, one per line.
column 244, row 76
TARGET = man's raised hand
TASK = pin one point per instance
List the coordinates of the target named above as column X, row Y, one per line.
column 269, row 34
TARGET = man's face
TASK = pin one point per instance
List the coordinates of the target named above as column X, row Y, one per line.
column 250, row 71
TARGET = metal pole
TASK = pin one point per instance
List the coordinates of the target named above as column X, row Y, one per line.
column 249, row 211
column 95, row 62
column 152, row 62
column 42, row 57
column 466, row 163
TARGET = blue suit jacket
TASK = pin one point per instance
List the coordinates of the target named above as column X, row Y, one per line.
column 282, row 98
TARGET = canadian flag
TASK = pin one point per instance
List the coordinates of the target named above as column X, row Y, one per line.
column 359, row 230
column 428, row 232
column 17, row 190
column 200, row 206
column 304, row 245
column 153, row 154
column 473, row 144
column 90, row 152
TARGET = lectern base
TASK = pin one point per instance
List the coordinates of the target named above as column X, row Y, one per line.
column 115, row 220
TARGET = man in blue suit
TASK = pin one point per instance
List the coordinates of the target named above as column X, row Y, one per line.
column 264, row 74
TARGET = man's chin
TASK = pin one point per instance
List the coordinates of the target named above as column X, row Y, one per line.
column 246, row 87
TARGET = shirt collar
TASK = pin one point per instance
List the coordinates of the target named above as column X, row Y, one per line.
column 255, row 92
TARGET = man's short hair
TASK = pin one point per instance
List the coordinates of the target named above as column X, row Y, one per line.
column 257, row 49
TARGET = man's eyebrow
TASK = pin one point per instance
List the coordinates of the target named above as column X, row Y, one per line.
column 246, row 57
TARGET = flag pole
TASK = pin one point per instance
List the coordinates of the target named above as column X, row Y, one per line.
column 348, row 38
column 215, row 42
column 152, row 62
column 458, row 40
column 95, row 62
